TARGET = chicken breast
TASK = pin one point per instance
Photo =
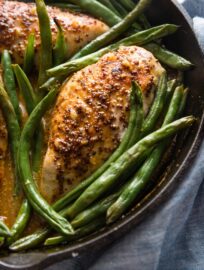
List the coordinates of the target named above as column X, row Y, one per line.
column 18, row 20
column 91, row 115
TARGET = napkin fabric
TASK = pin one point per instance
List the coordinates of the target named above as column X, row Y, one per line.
column 172, row 238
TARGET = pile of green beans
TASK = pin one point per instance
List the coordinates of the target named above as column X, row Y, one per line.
column 143, row 176
column 99, row 10
column 139, row 39
column 115, row 31
column 112, row 189
column 124, row 164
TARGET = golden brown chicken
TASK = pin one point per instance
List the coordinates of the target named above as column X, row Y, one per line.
column 91, row 115
column 18, row 20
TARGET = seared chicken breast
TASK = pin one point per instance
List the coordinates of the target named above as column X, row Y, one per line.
column 18, row 20
column 91, row 115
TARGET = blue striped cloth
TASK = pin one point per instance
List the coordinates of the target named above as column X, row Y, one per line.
column 172, row 238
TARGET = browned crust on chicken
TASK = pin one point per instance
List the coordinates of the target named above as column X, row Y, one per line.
column 91, row 115
column 18, row 20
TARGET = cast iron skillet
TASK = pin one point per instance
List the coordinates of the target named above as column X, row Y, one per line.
column 186, row 44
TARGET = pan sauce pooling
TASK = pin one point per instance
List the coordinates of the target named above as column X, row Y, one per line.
column 18, row 20
column 91, row 115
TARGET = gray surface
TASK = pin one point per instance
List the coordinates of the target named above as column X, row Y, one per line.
column 173, row 237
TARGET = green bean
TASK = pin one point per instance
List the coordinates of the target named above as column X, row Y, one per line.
column 29, row 57
column 30, row 102
column 171, row 85
column 60, row 50
column 30, row 241
column 183, row 102
column 20, row 223
column 108, row 4
column 157, row 106
column 96, row 210
column 52, row 82
column 135, row 27
column 13, row 130
column 130, row 135
column 121, row 10
column 4, row 230
column 169, row 58
column 93, row 212
column 2, row 240
column 32, row 194
column 81, row 232
column 174, row 106
column 139, row 118
column 115, row 31
column 140, row 38
column 124, row 164
column 145, row 23
column 98, row 10
column 135, row 98
column 68, row 6
column 25, row 88
column 9, row 82
column 143, row 176
column 142, row 21
column 46, row 41
column 129, row 5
